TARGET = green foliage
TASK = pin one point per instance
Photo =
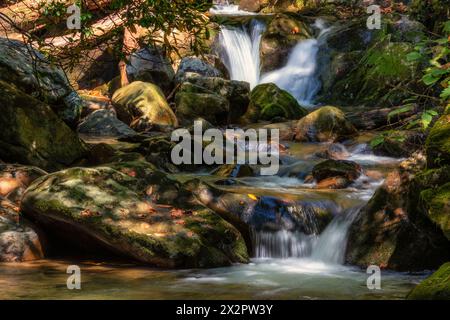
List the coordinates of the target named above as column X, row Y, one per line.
column 384, row 136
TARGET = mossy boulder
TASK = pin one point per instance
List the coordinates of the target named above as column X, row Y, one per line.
column 435, row 287
column 133, row 210
column 325, row 124
column 142, row 105
column 32, row 73
column 268, row 102
column 394, row 229
column 209, row 106
column 282, row 34
column 104, row 123
column 237, row 93
column 33, row 134
column 438, row 142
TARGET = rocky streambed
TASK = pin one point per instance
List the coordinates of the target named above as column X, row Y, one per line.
column 87, row 178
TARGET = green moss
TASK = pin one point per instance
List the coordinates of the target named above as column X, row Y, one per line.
column 437, row 200
column 378, row 77
column 267, row 102
column 438, row 143
column 435, row 287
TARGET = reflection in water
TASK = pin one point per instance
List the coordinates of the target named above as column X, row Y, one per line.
column 261, row 279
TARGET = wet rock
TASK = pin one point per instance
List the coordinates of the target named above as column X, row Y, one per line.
column 20, row 65
column 234, row 171
column 325, row 124
column 105, row 123
column 268, row 102
column 282, row 34
column 33, row 134
column 336, row 174
column 394, row 231
column 265, row 212
column 438, row 142
column 143, row 105
column 335, row 151
column 435, row 287
column 150, row 65
column 133, row 210
column 237, row 93
column 18, row 239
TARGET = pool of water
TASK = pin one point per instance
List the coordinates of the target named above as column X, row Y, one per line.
column 293, row 279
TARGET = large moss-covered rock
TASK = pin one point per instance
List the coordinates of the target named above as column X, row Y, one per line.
column 33, row 134
column 268, row 102
column 136, row 211
column 30, row 71
column 325, row 124
column 435, row 287
column 210, row 106
column 282, row 34
column 394, row 229
column 142, row 104
column 438, row 142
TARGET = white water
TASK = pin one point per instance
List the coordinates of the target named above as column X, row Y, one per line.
column 299, row 75
column 328, row 247
column 241, row 46
column 223, row 7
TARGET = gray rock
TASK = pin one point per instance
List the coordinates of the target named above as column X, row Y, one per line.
column 105, row 123
column 197, row 66
column 149, row 65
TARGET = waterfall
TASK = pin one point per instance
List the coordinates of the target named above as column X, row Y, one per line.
column 240, row 52
column 241, row 49
column 328, row 247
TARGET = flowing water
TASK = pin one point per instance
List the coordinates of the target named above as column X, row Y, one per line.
column 287, row 263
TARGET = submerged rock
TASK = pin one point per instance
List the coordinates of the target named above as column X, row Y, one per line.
column 142, row 105
column 30, row 72
column 435, row 287
column 33, row 134
column 268, row 102
column 325, row 124
column 105, row 123
column 133, row 210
